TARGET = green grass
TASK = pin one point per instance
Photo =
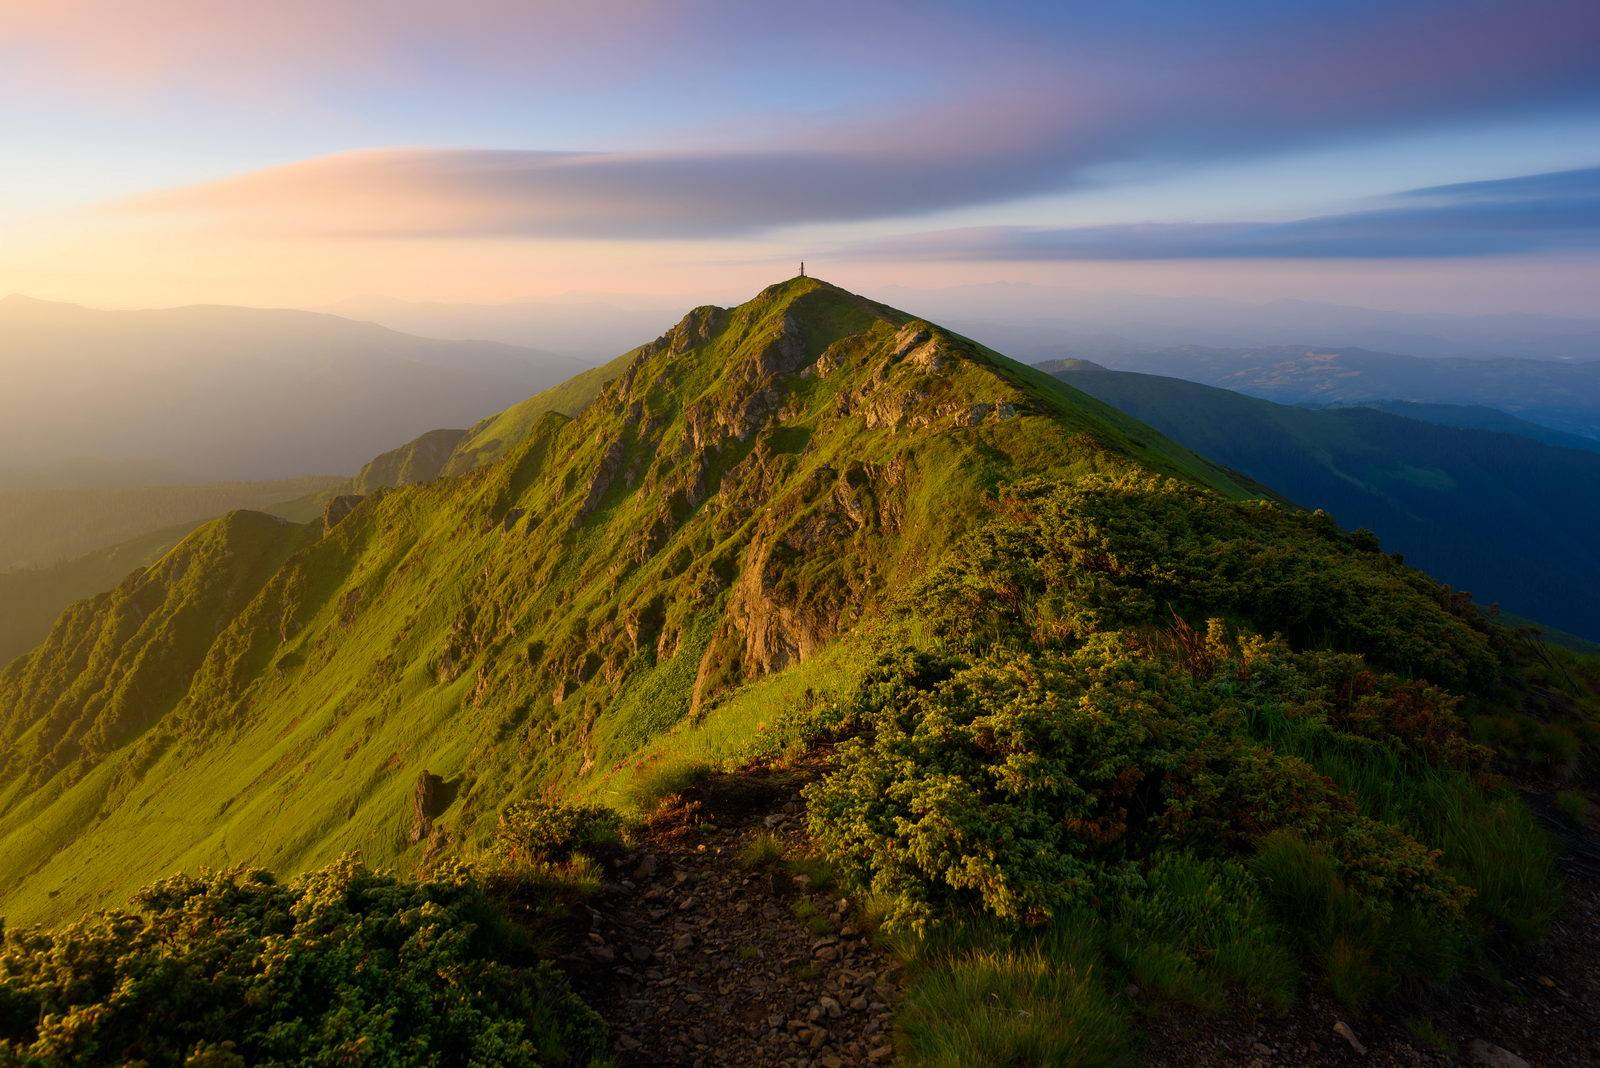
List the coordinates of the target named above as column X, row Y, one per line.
column 664, row 782
column 1045, row 1004
column 806, row 911
column 763, row 851
column 1575, row 805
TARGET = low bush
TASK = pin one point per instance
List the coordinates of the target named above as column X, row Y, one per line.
column 236, row 968
column 535, row 831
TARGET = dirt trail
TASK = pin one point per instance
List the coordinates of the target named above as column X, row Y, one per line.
column 699, row 959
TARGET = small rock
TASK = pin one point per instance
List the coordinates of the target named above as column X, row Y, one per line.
column 1488, row 1055
column 879, row 1054
column 603, row 954
column 829, row 1006
column 1342, row 1029
column 682, row 942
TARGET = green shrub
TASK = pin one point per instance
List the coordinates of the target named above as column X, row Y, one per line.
column 234, row 968
column 535, row 831
column 1529, row 744
column 1020, row 782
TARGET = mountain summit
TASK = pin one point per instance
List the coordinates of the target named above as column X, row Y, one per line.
column 745, row 488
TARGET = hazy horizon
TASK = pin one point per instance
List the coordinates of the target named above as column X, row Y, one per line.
column 1423, row 157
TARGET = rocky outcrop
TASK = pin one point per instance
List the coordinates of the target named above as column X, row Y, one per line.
column 429, row 798
column 600, row 481
column 337, row 508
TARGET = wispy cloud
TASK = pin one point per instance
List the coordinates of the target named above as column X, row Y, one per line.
column 1557, row 212
column 1063, row 107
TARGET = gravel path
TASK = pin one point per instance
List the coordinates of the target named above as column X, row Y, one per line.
column 707, row 960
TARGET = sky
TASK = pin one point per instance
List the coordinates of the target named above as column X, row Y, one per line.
column 1438, row 155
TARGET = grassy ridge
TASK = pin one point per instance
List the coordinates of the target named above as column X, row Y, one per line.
column 1079, row 670
column 539, row 623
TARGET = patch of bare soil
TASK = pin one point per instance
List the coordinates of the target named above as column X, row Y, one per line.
column 697, row 958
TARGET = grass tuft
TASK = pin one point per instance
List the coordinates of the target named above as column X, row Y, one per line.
column 1042, row 1004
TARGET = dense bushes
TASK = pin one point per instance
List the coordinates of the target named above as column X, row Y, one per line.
column 1291, row 786
column 1026, row 783
column 341, row 965
column 1065, row 561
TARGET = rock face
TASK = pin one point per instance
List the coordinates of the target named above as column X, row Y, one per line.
column 337, row 508
column 429, row 798
column 1484, row 1054
column 745, row 442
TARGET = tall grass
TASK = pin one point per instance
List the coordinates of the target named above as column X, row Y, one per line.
column 1045, row 1003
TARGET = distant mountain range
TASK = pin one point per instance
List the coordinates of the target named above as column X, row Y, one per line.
column 211, row 392
column 586, row 327
column 1561, row 396
column 1508, row 518
column 1477, row 417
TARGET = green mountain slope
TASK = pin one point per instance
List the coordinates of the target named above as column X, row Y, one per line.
column 1479, row 417
column 754, row 482
column 1066, row 691
column 1505, row 517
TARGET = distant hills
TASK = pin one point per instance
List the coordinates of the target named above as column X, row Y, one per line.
column 1477, row 417
column 1041, row 322
column 1559, row 395
column 1508, row 518
column 588, row 328
column 42, row 525
column 207, row 392
column 63, row 543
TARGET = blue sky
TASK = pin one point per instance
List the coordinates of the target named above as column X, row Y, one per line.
column 676, row 142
